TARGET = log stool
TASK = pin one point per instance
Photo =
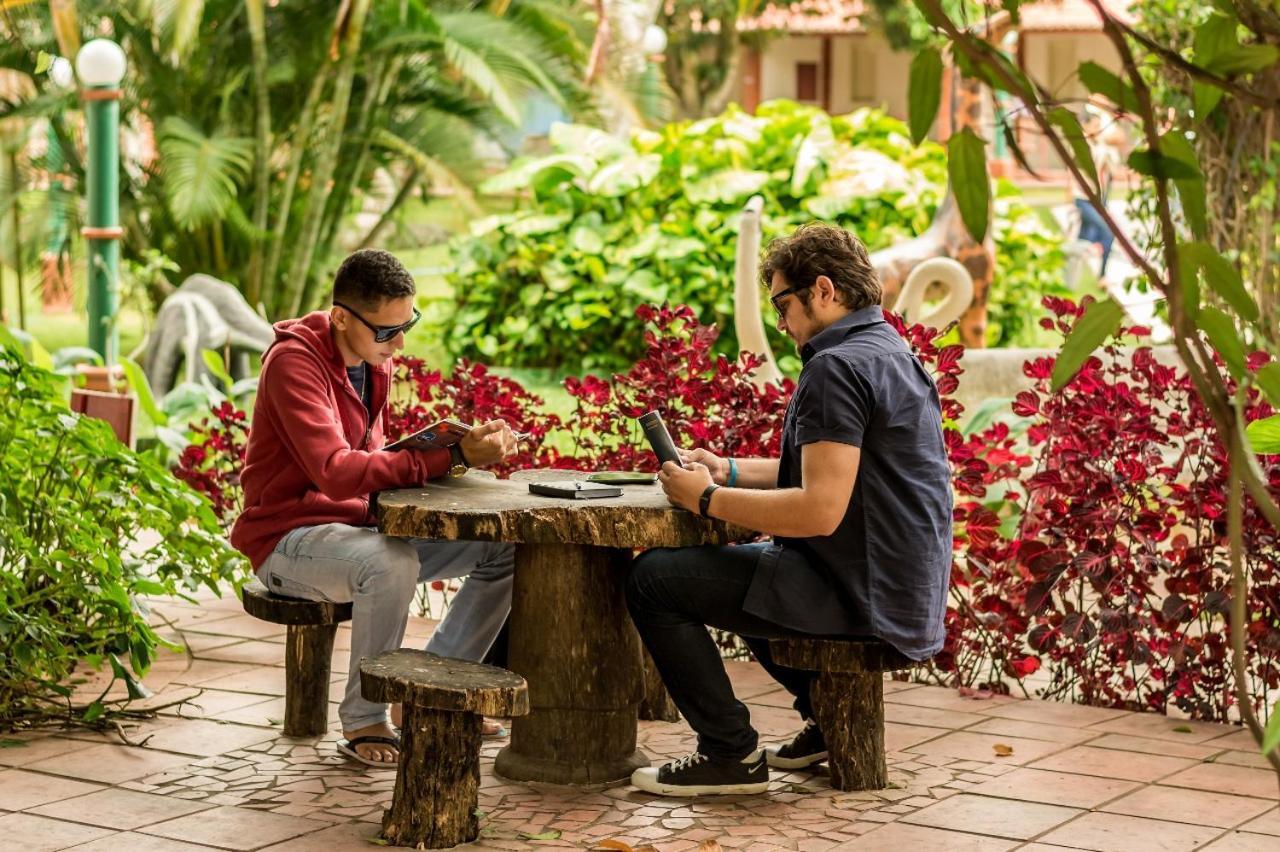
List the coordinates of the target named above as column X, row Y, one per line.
column 308, row 653
column 438, row 776
column 848, row 702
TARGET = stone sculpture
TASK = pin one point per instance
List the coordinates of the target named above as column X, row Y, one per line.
column 203, row 313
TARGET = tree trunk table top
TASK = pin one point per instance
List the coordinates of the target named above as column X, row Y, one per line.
column 477, row 507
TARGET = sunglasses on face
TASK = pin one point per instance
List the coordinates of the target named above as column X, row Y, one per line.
column 776, row 298
column 383, row 333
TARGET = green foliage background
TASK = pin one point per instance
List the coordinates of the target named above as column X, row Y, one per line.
column 87, row 529
column 609, row 226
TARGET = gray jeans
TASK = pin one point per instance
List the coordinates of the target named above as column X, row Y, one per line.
column 379, row 574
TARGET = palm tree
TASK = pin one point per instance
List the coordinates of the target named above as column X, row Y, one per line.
column 269, row 120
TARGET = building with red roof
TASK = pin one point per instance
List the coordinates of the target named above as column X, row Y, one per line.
column 820, row 52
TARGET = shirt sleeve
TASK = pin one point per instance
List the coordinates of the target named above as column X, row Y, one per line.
column 834, row 402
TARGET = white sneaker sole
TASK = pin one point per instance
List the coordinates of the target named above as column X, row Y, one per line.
column 648, row 782
column 771, row 757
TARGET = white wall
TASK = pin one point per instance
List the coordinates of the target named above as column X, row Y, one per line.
column 882, row 72
column 1052, row 59
column 778, row 66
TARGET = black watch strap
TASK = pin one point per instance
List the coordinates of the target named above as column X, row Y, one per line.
column 704, row 502
column 456, row 457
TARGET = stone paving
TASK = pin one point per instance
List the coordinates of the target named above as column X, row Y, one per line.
column 216, row 773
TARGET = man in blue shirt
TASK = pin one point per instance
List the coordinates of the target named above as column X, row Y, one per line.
column 859, row 506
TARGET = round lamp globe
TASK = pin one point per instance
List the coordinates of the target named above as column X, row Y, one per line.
column 654, row 40
column 101, row 63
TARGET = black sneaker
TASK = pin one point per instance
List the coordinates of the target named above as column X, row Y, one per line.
column 805, row 749
column 696, row 774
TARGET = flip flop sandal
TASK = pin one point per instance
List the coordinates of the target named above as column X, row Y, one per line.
column 348, row 749
column 496, row 734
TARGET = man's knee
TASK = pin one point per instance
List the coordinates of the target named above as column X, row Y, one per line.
column 498, row 562
column 645, row 572
column 393, row 566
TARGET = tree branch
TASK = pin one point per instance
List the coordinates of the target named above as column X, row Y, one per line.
column 1193, row 70
column 962, row 40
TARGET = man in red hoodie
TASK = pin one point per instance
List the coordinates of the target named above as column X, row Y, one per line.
column 315, row 466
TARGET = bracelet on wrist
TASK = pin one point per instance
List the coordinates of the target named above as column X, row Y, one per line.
column 704, row 502
column 733, row 474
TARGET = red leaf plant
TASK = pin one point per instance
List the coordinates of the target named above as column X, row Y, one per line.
column 1104, row 559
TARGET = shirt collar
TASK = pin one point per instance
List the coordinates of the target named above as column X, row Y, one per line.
column 840, row 329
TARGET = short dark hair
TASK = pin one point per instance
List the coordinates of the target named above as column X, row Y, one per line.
column 369, row 277
column 820, row 249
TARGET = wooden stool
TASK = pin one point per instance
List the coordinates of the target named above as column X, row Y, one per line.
column 308, row 654
column 848, row 702
column 438, row 776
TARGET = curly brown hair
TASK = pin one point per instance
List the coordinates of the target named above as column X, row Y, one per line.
column 820, row 249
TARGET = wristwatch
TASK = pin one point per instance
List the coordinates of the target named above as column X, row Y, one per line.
column 458, row 462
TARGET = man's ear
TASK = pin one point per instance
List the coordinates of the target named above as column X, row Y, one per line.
column 338, row 318
column 825, row 287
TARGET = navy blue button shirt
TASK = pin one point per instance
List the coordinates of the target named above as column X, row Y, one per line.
column 884, row 571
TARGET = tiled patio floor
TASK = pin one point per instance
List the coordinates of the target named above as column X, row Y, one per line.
column 217, row 774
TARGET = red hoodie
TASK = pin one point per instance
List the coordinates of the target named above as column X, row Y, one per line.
column 314, row 457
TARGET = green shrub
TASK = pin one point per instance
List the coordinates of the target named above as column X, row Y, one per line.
column 87, row 528
column 1030, row 265
column 611, row 225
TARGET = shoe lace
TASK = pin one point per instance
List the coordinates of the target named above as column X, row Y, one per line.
column 693, row 758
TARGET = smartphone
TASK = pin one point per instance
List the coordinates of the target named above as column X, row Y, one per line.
column 659, row 438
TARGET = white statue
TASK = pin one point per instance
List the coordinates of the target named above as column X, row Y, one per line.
column 204, row 313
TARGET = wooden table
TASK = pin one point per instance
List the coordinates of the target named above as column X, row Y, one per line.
column 571, row 636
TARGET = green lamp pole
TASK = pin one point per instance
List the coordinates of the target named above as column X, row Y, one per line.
column 100, row 65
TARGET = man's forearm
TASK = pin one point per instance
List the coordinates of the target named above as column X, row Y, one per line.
column 788, row 512
column 756, row 473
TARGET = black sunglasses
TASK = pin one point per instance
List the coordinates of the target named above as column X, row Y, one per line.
column 774, row 299
column 383, row 333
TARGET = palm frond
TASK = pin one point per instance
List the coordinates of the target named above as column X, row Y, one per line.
column 560, row 24
column 177, row 23
column 201, row 172
column 430, row 163
column 509, row 52
column 471, row 62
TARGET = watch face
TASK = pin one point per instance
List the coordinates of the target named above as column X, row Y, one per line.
column 457, row 470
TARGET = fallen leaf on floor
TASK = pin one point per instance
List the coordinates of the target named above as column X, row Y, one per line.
column 613, row 844
column 709, row 846
column 553, row 834
column 377, row 841
column 8, row 743
column 1182, row 729
column 1002, row 750
column 975, row 694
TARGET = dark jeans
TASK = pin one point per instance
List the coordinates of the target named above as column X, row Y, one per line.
column 1093, row 229
column 673, row 595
